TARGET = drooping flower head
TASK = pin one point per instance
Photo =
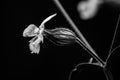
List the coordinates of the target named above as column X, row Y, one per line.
column 59, row 36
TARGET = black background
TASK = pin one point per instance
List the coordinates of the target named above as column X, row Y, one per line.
column 53, row 59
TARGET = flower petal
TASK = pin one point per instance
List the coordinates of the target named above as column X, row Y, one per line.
column 47, row 19
column 34, row 44
column 31, row 30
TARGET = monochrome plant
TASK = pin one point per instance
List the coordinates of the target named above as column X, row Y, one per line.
column 64, row 36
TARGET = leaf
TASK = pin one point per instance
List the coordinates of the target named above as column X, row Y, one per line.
column 61, row 36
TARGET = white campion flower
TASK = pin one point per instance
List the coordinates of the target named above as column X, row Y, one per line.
column 33, row 30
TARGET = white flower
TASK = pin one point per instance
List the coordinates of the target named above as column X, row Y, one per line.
column 33, row 30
